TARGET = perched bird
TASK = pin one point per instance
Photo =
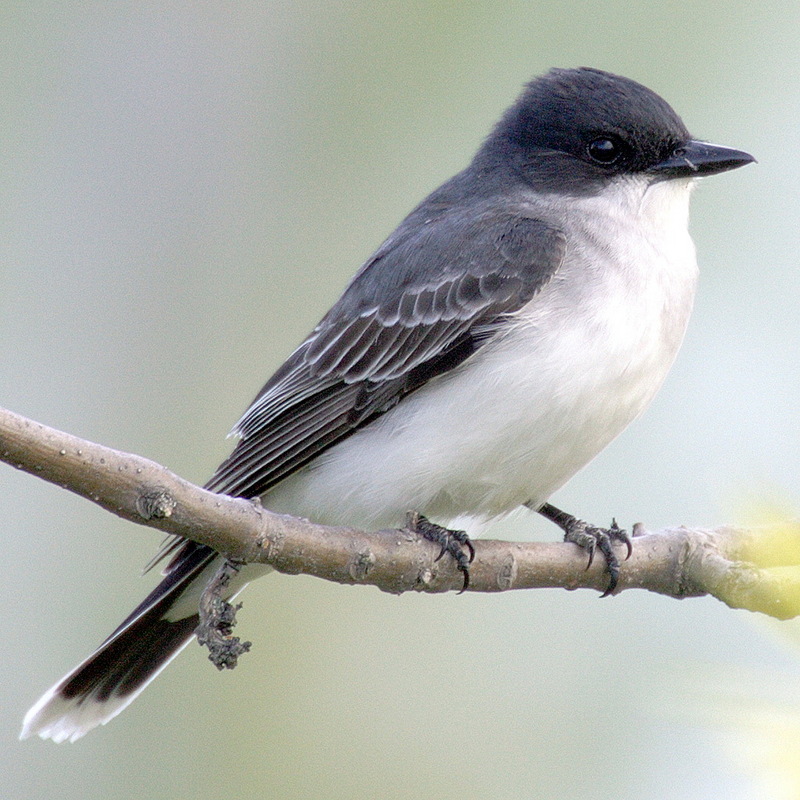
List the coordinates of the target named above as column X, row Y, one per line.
column 510, row 327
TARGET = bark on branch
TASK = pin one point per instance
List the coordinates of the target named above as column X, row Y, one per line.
column 757, row 570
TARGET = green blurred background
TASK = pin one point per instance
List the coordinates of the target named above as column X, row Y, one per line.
column 185, row 188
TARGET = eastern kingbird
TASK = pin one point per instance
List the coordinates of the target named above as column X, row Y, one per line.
column 512, row 325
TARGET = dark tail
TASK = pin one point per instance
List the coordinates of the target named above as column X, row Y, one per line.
column 114, row 675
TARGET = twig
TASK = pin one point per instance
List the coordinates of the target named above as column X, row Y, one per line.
column 756, row 570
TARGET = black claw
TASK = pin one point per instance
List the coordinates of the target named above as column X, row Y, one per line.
column 628, row 546
column 604, row 543
column 591, row 539
column 620, row 535
column 613, row 579
column 452, row 542
column 612, row 562
column 464, row 588
column 464, row 540
column 590, row 547
column 471, row 548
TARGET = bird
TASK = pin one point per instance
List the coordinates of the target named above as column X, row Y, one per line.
column 512, row 325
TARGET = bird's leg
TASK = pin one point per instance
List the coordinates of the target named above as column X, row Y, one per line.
column 590, row 538
column 451, row 542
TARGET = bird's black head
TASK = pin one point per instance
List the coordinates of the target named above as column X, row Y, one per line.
column 574, row 130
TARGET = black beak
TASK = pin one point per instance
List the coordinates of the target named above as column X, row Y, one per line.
column 695, row 159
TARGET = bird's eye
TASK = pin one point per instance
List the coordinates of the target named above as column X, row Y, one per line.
column 604, row 150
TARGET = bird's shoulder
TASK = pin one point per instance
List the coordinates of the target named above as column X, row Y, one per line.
column 451, row 257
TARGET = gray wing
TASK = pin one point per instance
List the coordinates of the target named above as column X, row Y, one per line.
column 434, row 293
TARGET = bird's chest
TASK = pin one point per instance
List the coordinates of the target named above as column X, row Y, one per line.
column 586, row 356
column 607, row 328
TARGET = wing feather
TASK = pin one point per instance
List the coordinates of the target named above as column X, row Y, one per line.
column 432, row 295
column 399, row 324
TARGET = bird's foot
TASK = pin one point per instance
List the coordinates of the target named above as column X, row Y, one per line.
column 451, row 542
column 591, row 538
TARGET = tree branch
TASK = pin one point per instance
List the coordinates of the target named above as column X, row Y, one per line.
column 756, row 570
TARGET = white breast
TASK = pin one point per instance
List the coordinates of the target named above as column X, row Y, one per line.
column 531, row 408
